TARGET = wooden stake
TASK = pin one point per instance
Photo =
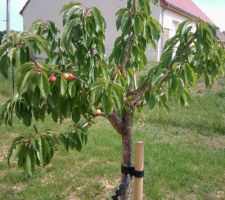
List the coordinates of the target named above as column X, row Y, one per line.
column 139, row 166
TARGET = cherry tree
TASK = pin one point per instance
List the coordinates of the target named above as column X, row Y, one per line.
column 67, row 75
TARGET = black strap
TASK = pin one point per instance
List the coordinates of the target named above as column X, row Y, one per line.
column 132, row 172
column 127, row 170
column 115, row 197
column 138, row 174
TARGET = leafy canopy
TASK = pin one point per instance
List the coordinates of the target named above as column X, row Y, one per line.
column 98, row 82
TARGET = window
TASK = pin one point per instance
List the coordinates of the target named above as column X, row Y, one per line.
column 175, row 24
column 166, row 35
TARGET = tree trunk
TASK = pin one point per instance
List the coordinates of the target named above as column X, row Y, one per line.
column 124, row 128
column 126, row 161
column 126, row 154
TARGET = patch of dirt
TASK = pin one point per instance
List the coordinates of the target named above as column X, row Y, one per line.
column 3, row 153
column 108, row 185
column 3, row 98
column 214, row 144
column 200, row 88
column 219, row 195
column 72, row 193
column 169, row 196
column 47, row 179
column 19, row 187
column 72, row 196
column 190, row 197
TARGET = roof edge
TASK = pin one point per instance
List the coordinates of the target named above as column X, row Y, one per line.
column 180, row 11
column 24, row 7
column 220, row 36
column 185, row 13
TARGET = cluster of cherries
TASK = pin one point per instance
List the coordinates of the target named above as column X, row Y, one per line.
column 71, row 77
column 67, row 76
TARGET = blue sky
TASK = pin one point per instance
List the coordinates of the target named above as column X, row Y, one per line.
column 16, row 19
column 215, row 9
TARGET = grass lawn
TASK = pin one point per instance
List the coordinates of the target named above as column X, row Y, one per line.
column 184, row 156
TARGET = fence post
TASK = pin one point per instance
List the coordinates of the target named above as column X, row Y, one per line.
column 139, row 166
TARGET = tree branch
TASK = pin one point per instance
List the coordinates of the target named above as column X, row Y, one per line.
column 34, row 61
column 131, row 39
column 141, row 90
column 116, row 122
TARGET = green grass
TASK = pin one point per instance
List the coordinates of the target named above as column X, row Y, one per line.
column 184, row 157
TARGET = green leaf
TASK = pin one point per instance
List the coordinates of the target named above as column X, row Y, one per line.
column 27, row 117
column 41, row 42
column 174, row 82
column 36, row 98
column 180, row 87
column 24, row 83
column 63, row 86
column 3, row 47
column 190, row 74
column 107, row 104
column 69, row 6
column 11, row 53
column 38, row 146
column 183, row 100
column 125, row 24
column 138, row 25
column 182, row 27
column 4, row 66
column 151, row 102
column 100, row 84
column 14, row 149
column 25, row 67
column 72, row 89
column 76, row 115
column 166, row 57
column 164, row 101
column 43, row 85
column 99, row 20
column 22, row 156
column 53, row 27
column 31, row 161
column 156, row 79
column 144, row 5
column 118, row 95
column 44, row 150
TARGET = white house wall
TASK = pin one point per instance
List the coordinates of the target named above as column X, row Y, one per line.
column 50, row 9
column 154, row 54
column 169, row 17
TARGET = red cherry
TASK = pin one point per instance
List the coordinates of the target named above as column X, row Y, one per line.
column 66, row 75
column 52, row 78
column 69, row 76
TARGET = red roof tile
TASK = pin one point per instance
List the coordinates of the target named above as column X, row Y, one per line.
column 188, row 7
column 220, row 36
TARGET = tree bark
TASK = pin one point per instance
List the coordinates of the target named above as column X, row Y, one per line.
column 126, row 153
column 126, row 161
column 124, row 127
